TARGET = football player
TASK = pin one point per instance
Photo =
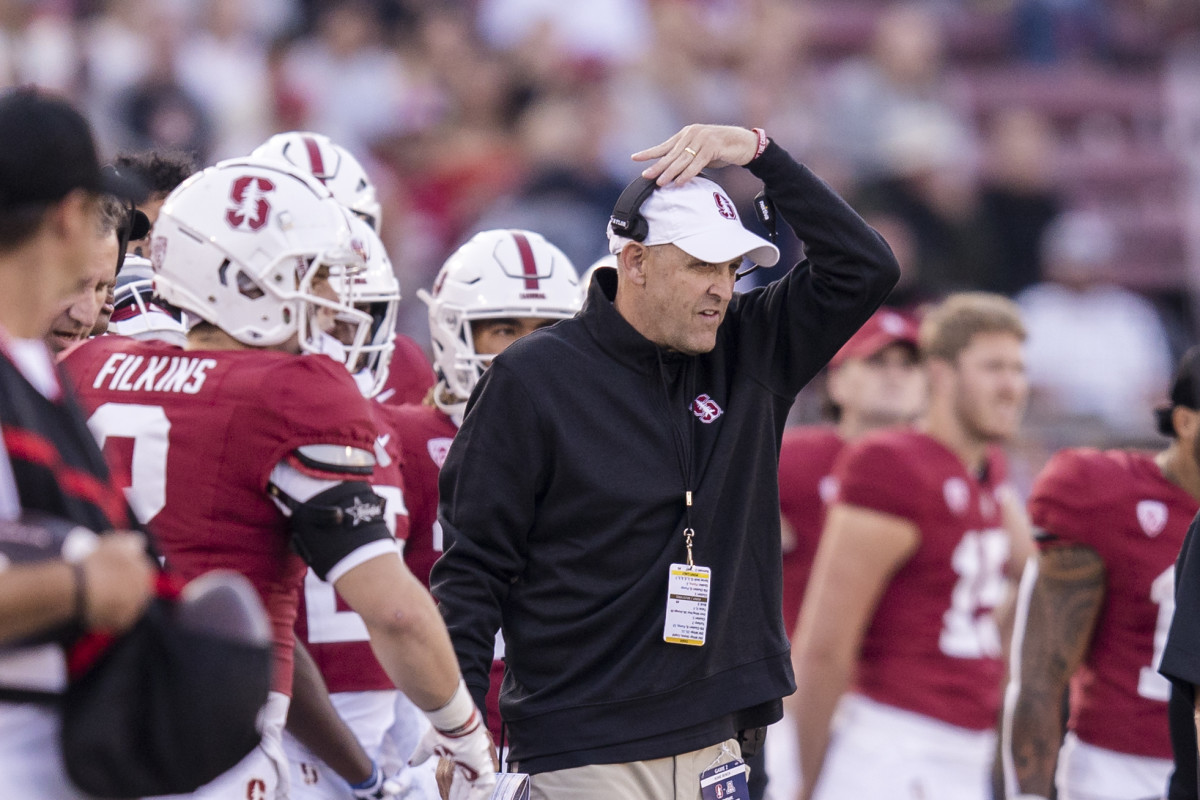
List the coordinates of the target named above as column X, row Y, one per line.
column 410, row 375
column 333, row 635
column 161, row 171
column 496, row 288
column 240, row 454
column 913, row 560
column 874, row 381
column 1094, row 609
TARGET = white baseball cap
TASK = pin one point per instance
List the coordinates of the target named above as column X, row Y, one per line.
column 700, row 219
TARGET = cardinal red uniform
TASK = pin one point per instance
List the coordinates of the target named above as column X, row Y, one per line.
column 806, row 487
column 1119, row 504
column 928, row 680
column 410, row 375
column 425, row 434
column 385, row 722
column 196, row 434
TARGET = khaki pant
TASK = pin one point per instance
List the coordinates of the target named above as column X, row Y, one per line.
column 673, row 778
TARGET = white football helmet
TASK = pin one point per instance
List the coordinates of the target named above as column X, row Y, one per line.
column 138, row 313
column 250, row 245
column 374, row 291
column 497, row 274
column 331, row 164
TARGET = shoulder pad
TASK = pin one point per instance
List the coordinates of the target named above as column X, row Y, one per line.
column 336, row 458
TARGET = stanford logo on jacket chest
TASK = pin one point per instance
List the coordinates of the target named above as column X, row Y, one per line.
column 706, row 408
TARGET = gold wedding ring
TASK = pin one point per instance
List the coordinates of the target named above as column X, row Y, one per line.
column 690, row 151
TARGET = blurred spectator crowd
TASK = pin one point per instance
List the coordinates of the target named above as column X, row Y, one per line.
column 1046, row 149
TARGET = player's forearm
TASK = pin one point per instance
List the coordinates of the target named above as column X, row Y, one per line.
column 820, row 683
column 407, row 633
column 314, row 721
column 1033, row 734
column 36, row 597
column 1060, row 598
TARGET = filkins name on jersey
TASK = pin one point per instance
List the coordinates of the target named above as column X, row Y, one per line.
column 126, row 373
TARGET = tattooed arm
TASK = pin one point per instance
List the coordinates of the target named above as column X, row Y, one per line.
column 1060, row 599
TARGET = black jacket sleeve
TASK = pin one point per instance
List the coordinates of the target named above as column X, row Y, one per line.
column 487, row 489
column 790, row 329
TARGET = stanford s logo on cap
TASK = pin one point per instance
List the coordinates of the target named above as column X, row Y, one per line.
column 251, row 209
column 706, row 409
column 724, row 207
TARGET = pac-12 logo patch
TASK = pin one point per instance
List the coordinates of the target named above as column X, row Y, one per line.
column 439, row 448
column 250, row 206
column 1152, row 516
column 706, row 409
column 957, row 494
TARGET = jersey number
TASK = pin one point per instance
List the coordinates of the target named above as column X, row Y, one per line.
column 148, row 427
column 968, row 629
column 1151, row 685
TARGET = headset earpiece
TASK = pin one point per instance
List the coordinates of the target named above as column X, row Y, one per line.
column 627, row 219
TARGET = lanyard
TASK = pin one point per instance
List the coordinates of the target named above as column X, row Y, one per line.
column 685, row 448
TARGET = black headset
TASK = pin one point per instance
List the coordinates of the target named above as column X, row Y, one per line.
column 627, row 219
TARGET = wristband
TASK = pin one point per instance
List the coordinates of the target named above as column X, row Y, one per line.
column 762, row 141
column 454, row 718
column 80, row 600
column 373, row 780
column 1028, row 797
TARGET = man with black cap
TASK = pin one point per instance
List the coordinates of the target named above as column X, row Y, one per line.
column 50, row 182
column 1177, row 658
column 611, row 502
column 1094, row 610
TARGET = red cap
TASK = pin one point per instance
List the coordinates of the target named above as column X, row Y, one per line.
column 882, row 330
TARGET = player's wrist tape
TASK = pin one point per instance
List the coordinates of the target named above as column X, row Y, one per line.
column 373, row 781
column 458, row 716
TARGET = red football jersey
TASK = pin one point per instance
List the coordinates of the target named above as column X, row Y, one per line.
column 1119, row 504
column 932, row 646
column 410, row 375
column 195, row 435
column 806, row 487
column 335, row 635
column 425, row 434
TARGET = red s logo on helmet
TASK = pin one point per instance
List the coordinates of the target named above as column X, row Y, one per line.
column 251, row 209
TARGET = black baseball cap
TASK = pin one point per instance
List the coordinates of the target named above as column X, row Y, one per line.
column 1185, row 390
column 47, row 151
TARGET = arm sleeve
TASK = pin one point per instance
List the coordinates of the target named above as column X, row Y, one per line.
column 488, row 488
column 790, row 329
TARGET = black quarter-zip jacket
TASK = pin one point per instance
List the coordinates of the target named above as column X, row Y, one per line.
column 563, row 503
